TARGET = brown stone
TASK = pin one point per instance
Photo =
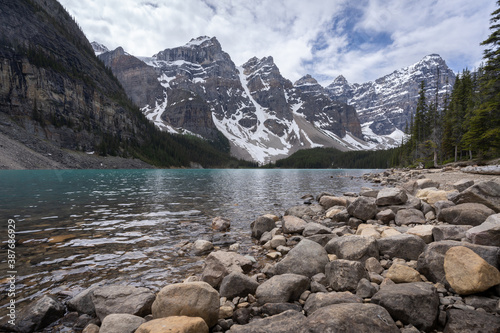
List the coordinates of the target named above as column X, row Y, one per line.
column 403, row 274
column 174, row 324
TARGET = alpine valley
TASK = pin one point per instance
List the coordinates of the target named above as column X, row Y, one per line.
column 197, row 89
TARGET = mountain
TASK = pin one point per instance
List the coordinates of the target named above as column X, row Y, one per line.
column 385, row 106
column 262, row 114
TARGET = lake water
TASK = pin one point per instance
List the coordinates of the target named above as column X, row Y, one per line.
column 78, row 228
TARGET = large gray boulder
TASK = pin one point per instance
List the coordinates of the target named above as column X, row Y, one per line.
column 194, row 299
column 486, row 193
column 459, row 321
column 282, row 288
column 307, row 258
column 409, row 216
column 286, row 322
column 344, row 275
column 407, row 247
column 218, row 264
column 391, row 196
column 487, row 233
column 353, row 247
column 237, row 284
column 449, row 232
column 121, row 323
column 431, row 262
column 261, row 225
column 414, row 303
column 350, row 317
column 363, row 208
column 82, row 302
column 316, row 301
column 122, row 299
column 465, row 214
column 293, row 224
column 38, row 314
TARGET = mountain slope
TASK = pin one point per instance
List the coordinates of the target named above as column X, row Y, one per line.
column 386, row 105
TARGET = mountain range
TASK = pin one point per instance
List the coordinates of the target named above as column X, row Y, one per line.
column 196, row 88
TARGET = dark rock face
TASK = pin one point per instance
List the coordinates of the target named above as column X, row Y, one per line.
column 471, row 321
column 39, row 314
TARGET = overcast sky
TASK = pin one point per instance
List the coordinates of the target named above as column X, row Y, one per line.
column 362, row 39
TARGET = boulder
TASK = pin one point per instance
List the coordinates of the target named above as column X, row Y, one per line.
column 340, row 216
column 465, row 214
column 385, row 216
column 440, row 205
column 422, row 231
column 389, row 232
column 237, row 284
column 485, row 192
column 409, row 216
column 365, row 289
column 431, row 262
column 122, row 299
column 282, row 288
column 38, row 314
column 353, row 247
column 467, row 272
column 363, row 208
column 403, row 274
column 221, row 224
column 391, row 196
column 307, row 258
column 315, row 229
column 368, row 192
column 350, row 317
column 487, row 233
column 344, row 275
column 293, row 224
column 177, row 324
column 372, row 265
column 463, row 184
column 431, row 196
column 449, row 232
column 121, row 323
column 194, row 299
column 320, row 300
column 201, row 247
column 288, row 321
column 411, row 203
column 329, row 201
column 459, row 321
column 261, row 225
column 404, row 246
column 218, row 264
column 82, row 302
column 412, row 303
column 426, row 183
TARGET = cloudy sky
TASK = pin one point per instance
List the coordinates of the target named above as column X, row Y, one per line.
column 361, row 40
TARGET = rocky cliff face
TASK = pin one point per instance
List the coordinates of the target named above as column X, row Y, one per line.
column 253, row 106
column 385, row 105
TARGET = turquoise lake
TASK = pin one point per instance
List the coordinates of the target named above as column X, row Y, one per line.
column 78, row 228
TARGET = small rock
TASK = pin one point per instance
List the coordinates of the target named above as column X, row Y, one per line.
column 293, row 225
column 363, row 208
column 237, row 284
column 218, row 264
column 221, row 224
column 344, row 275
column 121, row 323
column 373, row 265
column 201, row 246
column 463, row 184
column 282, row 288
column 307, row 258
column 365, row 289
column 261, row 225
column 407, row 247
column 449, row 232
column 487, row 233
column 315, row 229
column 391, row 196
column 422, row 231
column 386, row 216
column 403, row 274
column 278, row 240
column 410, row 216
column 352, row 247
column 181, row 324
column 319, row 300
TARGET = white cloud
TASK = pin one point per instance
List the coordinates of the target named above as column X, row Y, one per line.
column 362, row 41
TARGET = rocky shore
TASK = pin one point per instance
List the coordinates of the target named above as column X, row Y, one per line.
column 418, row 252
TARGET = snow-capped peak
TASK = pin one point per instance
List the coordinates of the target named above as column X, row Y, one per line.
column 198, row 41
column 99, row 48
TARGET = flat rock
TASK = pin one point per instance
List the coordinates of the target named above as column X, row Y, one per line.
column 121, row 323
column 194, row 299
column 410, row 216
column 293, row 224
column 286, row 322
column 122, row 299
column 237, row 284
column 307, row 258
column 403, row 274
column 344, row 275
column 313, row 228
column 459, row 321
column 407, row 247
column 174, row 324
column 300, row 211
column 329, row 201
column 391, row 196
column 465, row 214
column 363, row 208
column 486, row 193
column 487, row 233
column 412, row 303
column 319, row 300
column 202, row 246
column 449, row 232
column 431, row 196
column 350, row 317
column 353, row 247
column 218, row 264
column 467, row 272
column 423, row 231
column 463, row 184
column 282, row 288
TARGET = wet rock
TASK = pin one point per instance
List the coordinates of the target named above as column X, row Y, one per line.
column 221, row 224
column 467, row 272
column 422, row 231
column 293, row 224
column 201, row 246
column 486, row 193
column 407, row 247
column 288, row 321
column 261, row 225
column 403, row 274
column 487, row 233
column 320, row 300
column 409, row 216
column 350, row 317
column 38, row 314
column 122, row 299
column 449, row 232
column 271, row 309
column 412, row 303
column 218, row 264
column 177, row 324
column 282, row 288
column 307, row 258
column 315, row 229
column 471, row 321
column 385, row 216
column 465, row 214
column 352, row 247
column 82, row 302
column 195, row 299
column 237, row 284
column 391, row 196
column 329, row 201
column 344, row 275
column 363, row 208
column 463, row 184
column 121, row 323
